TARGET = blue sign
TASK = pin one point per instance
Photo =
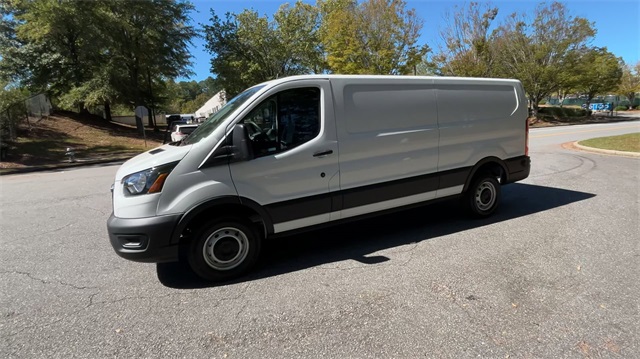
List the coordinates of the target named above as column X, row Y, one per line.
column 600, row 106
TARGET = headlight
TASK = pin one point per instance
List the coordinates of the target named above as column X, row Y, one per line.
column 147, row 181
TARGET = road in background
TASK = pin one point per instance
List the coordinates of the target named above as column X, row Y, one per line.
column 556, row 135
column 553, row 274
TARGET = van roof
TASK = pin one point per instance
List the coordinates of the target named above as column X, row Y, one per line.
column 432, row 79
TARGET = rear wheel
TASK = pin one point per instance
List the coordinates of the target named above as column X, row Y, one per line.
column 224, row 249
column 483, row 196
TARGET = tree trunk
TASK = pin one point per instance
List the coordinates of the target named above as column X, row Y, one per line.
column 81, row 108
column 139, row 126
column 139, row 122
column 11, row 125
column 152, row 122
column 533, row 102
column 588, row 104
column 107, row 110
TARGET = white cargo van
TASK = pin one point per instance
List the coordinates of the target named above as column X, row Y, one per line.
column 303, row 151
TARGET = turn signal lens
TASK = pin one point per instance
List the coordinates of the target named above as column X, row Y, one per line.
column 159, row 182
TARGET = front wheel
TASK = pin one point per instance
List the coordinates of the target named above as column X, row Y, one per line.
column 224, row 249
column 483, row 196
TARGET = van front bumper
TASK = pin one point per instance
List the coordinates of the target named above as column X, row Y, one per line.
column 144, row 239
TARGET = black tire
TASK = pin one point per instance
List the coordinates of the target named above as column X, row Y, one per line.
column 224, row 249
column 483, row 196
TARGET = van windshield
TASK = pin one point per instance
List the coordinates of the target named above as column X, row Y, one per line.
column 219, row 117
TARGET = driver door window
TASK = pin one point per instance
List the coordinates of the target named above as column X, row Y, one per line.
column 284, row 121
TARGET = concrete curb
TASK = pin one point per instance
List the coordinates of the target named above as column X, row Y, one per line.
column 62, row 166
column 606, row 152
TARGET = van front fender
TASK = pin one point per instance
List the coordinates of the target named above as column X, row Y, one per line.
column 225, row 205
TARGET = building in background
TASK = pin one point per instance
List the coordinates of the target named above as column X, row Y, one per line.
column 212, row 106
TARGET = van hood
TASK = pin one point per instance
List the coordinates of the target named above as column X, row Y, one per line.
column 152, row 158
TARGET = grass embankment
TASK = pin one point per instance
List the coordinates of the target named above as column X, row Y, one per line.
column 45, row 142
column 627, row 143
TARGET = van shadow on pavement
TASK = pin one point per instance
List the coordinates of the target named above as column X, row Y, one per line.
column 356, row 240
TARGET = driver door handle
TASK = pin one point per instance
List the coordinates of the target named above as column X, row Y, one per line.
column 323, row 153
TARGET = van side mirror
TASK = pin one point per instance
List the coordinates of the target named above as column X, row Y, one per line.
column 241, row 144
column 237, row 147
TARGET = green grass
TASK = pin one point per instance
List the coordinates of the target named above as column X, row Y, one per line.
column 628, row 143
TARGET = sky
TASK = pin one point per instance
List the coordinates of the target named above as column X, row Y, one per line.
column 617, row 22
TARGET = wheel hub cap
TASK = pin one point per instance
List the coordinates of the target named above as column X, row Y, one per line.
column 226, row 248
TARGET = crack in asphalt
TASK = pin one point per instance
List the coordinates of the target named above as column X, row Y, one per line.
column 244, row 305
column 124, row 299
column 52, row 202
column 53, row 282
column 97, row 210
column 44, row 281
column 40, row 234
column 91, row 303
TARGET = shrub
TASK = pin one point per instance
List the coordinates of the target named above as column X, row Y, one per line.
column 559, row 112
column 621, row 108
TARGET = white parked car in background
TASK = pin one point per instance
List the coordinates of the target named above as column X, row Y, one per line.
column 181, row 131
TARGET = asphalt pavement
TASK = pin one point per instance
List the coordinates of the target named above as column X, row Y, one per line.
column 552, row 274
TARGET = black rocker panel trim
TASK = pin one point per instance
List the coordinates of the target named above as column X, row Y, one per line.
column 362, row 196
column 300, row 208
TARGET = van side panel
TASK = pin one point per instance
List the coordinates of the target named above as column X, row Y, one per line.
column 387, row 130
column 478, row 120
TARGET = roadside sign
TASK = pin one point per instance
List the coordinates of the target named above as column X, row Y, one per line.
column 600, row 106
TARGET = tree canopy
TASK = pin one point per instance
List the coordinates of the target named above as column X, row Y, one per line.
column 130, row 52
column 536, row 50
column 247, row 49
column 596, row 71
column 371, row 37
column 334, row 36
column 96, row 52
column 548, row 50
column 630, row 81
column 467, row 49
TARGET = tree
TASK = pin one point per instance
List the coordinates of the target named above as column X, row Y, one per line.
column 596, row 72
column 96, row 52
column 210, row 86
column 373, row 37
column 537, row 51
column 148, row 43
column 630, row 82
column 247, row 49
column 12, row 108
column 467, row 42
column 54, row 46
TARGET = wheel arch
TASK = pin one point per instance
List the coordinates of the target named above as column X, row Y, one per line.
column 491, row 164
column 227, row 206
